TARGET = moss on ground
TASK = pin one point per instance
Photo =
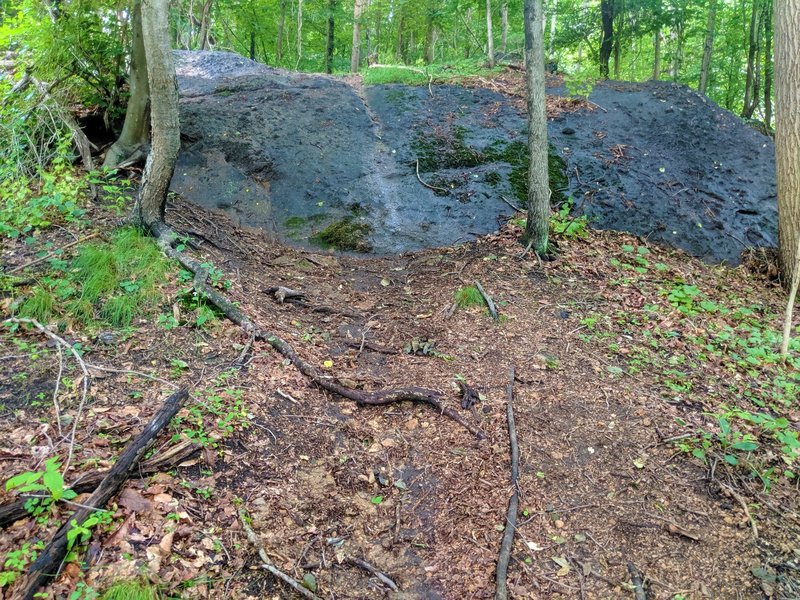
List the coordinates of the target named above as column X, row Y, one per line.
column 345, row 234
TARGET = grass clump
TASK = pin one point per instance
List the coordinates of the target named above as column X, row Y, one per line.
column 468, row 296
column 111, row 282
column 450, row 72
column 135, row 589
column 346, row 234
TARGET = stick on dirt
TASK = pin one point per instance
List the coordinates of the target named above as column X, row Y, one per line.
column 267, row 563
column 167, row 238
column 489, row 302
column 49, row 561
column 501, row 589
column 370, row 569
column 428, row 185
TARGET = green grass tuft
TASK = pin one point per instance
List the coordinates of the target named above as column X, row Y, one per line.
column 468, row 296
column 40, row 306
column 131, row 590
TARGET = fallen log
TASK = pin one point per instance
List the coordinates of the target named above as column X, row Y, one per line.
column 14, row 511
column 47, row 565
column 167, row 239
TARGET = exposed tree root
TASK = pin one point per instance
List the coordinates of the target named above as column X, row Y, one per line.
column 501, row 588
column 167, row 239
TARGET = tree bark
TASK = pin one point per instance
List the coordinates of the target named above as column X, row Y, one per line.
column 330, row 37
column 657, row 54
column 489, row 34
column 205, row 25
column 537, row 227
column 708, row 46
column 355, row 55
column 504, row 26
column 299, row 31
column 152, row 198
column 750, row 80
column 279, row 36
column 135, row 134
column 787, row 132
column 552, row 40
column 768, row 70
column 607, row 42
column 619, row 18
column 430, row 39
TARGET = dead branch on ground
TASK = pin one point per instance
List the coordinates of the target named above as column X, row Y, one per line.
column 51, row 558
column 268, row 564
column 428, row 185
column 166, row 238
column 501, row 573
column 370, row 569
column 489, row 302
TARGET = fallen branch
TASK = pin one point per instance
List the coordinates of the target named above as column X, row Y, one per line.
column 637, row 580
column 50, row 559
column 729, row 491
column 501, row 590
column 370, row 569
column 13, row 511
column 489, row 302
column 51, row 254
column 268, row 564
column 428, row 185
column 787, row 323
column 86, row 378
column 511, row 204
column 167, row 238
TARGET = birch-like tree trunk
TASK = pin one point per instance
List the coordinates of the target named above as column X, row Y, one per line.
column 503, row 26
column 552, row 40
column 787, row 132
column 768, row 70
column 279, row 36
column 657, row 54
column 166, row 142
column 708, row 46
column 355, row 55
column 299, row 39
column 489, row 34
column 537, row 227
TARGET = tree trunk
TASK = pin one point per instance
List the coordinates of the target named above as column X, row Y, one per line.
column 205, row 24
column 299, row 31
column 619, row 18
column 252, row 44
column 552, row 40
column 607, row 43
column 330, row 40
column 750, row 81
column 657, row 54
column 279, row 37
column 355, row 55
column 504, row 26
column 537, row 227
column 430, row 39
column 768, row 72
column 136, row 130
column 152, row 199
column 708, row 46
column 787, row 132
column 489, row 34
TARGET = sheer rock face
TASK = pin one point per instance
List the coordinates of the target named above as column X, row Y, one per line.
column 304, row 156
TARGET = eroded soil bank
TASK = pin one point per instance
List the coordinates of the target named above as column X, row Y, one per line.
column 321, row 163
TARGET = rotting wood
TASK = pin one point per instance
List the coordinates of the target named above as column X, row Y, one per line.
column 268, row 564
column 637, row 580
column 501, row 589
column 370, row 569
column 88, row 482
column 166, row 238
column 49, row 561
column 489, row 302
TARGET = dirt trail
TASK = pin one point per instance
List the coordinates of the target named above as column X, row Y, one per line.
column 319, row 163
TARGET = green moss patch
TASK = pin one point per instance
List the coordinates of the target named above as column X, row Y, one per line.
column 347, row 234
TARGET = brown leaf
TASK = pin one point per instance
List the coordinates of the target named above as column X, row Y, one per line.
column 134, row 501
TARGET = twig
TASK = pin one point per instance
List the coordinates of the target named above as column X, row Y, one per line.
column 637, row 580
column 56, row 407
column 743, row 503
column 511, row 204
column 268, row 564
column 787, row 323
column 86, row 378
column 501, row 573
column 97, row 367
column 596, row 105
column 52, row 254
column 369, row 568
column 489, row 302
column 429, row 186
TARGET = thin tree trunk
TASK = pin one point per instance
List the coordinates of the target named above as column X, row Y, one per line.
column 152, row 199
column 430, row 39
column 768, row 71
column 252, row 44
column 657, row 54
column 607, row 43
column 205, row 24
column 504, row 26
column 299, row 31
column 552, row 40
column 355, row 55
column 749, row 104
column 330, row 39
column 537, row 227
column 279, row 36
column 708, row 46
column 489, row 34
column 619, row 18
column 136, row 130
column 787, row 132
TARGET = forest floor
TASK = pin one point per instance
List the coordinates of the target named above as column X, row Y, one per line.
column 655, row 423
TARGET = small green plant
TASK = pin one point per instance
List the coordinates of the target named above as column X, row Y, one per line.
column 48, row 486
column 468, row 296
column 136, row 589
column 17, row 561
column 80, row 533
column 568, row 227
